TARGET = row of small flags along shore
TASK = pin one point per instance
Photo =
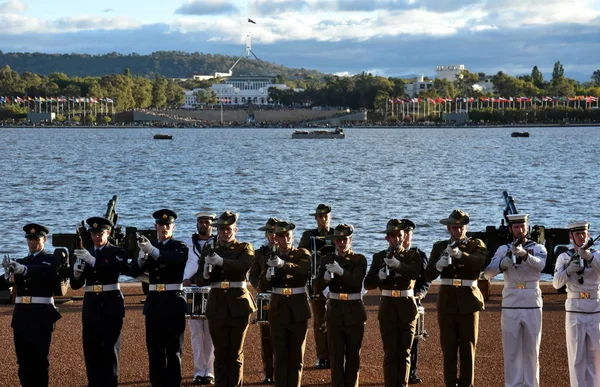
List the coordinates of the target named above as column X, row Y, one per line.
column 20, row 100
column 61, row 104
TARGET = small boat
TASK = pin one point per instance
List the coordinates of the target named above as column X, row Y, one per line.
column 519, row 134
column 337, row 133
column 162, row 136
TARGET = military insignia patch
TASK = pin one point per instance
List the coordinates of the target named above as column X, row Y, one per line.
column 164, row 216
column 32, row 231
column 95, row 225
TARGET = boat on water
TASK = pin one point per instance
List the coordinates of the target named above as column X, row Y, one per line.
column 162, row 136
column 519, row 134
column 337, row 133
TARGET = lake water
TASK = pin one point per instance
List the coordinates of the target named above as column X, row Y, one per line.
column 60, row 176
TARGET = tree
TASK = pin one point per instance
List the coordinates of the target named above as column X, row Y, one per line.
column 558, row 73
column 175, row 94
column 159, row 92
column 464, row 83
column 537, row 77
column 142, row 92
column 596, row 78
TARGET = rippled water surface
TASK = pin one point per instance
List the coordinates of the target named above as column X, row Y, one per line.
column 58, row 177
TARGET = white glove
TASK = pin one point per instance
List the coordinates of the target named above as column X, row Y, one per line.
column 145, row 245
column 215, row 259
column 334, row 268
column 585, row 254
column 505, row 263
column 276, row 262
column 269, row 275
column 5, row 263
column 327, row 276
column 381, row 274
column 573, row 267
column 518, row 250
column 17, row 268
column 392, row 262
column 85, row 256
column 455, row 253
column 141, row 259
column 206, row 272
column 77, row 271
column 442, row 263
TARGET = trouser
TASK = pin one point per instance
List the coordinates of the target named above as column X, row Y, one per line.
column 164, row 339
column 318, row 315
column 414, row 358
column 101, row 346
column 32, row 345
column 344, row 343
column 202, row 347
column 521, row 337
column 397, row 339
column 228, row 338
column 583, row 348
column 289, row 342
column 458, row 338
column 266, row 349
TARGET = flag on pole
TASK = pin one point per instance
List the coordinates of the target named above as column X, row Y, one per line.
column 251, row 21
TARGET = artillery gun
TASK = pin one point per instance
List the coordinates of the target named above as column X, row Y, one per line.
column 66, row 244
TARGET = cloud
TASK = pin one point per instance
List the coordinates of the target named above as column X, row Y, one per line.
column 17, row 25
column 274, row 7
column 108, row 10
column 207, row 7
column 12, row 6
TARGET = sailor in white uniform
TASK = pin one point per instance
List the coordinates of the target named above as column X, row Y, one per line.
column 581, row 275
column 202, row 345
column 521, row 263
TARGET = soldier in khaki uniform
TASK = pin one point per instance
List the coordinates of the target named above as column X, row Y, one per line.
column 343, row 271
column 313, row 241
column 395, row 270
column 459, row 298
column 286, row 275
column 259, row 265
column 229, row 302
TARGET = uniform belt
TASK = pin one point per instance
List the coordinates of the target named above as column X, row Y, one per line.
column 398, row 293
column 345, row 296
column 102, row 288
column 34, row 300
column 582, row 295
column 229, row 284
column 164, row 287
column 289, row 291
column 524, row 285
column 459, row 282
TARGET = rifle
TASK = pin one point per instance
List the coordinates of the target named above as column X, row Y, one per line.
column 455, row 244
column 390, row 254
column 518, row 242
column 79, row 264
column 272, row 255
column 211, row 251
column 576, row 256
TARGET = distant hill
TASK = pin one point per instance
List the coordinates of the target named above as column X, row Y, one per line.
column 170, row 64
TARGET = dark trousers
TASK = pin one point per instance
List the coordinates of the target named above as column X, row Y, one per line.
column 164, row 340
column 397, row 340
column 318, row 315
column 344, row 344
column 32, row 346
column 414, row 358
column 289, row 341
column 458, row 337
column 101, row 347
column 267, row 349
column 228, row 338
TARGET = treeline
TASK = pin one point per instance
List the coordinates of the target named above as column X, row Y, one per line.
column 170, row 64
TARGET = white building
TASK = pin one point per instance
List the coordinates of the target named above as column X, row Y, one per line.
column 485, row 86
column 239, row 90
column 415, row 88
column 448, row 72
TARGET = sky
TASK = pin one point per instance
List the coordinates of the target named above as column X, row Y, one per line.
column 383, row 37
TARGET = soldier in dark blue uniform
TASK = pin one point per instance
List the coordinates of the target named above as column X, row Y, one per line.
column 103, row 307
column 165, row 305
column 34, row 314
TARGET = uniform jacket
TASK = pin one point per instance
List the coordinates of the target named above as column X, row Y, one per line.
column 422, row 286
column 166, row 269
column 590, row 278
column 232, row 302
column 111, row 261
column 404, row 277
column 340, row 312
column 527, row 271
column 192, row 266
column 259, row 265
column 39, row 281
column 294, row 274
column 306, row 243
column 459, row 299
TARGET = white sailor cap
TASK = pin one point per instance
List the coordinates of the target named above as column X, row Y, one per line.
column 206, row 215
column 517, row 218
column 579, row 226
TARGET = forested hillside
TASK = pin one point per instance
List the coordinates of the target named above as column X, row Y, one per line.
column 170, row 64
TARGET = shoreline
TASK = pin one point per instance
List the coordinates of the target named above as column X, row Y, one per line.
column 67, row 367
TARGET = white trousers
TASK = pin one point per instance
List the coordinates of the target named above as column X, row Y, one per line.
column 202, row 348
column 583, row 348
column 521, row 337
